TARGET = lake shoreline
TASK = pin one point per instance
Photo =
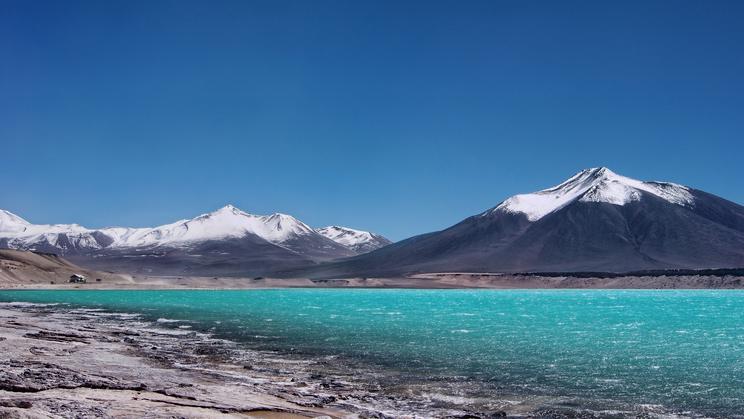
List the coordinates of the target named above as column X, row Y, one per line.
column 419, row 281
column 63, row 361
column 40, row 271
column 203, row 355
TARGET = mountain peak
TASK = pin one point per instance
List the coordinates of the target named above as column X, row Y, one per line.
column 592, row 175
column 357, row 240
column 279, row 227
column 280, row 216
column 597, row 184
column 598, row 173
column 597, row 170
column 12, row 223
column 229, row 209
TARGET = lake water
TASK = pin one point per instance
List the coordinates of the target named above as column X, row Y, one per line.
column 671, row 351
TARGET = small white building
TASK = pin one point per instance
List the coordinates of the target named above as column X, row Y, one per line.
column 77, row 279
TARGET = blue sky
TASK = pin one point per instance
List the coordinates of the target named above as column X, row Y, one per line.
column 397, row 117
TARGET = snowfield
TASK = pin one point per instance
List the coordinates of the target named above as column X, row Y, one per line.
column 357, row 240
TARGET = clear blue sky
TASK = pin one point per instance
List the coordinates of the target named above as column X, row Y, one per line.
column 397, row 117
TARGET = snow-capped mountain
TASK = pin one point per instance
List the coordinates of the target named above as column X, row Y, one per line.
column 357, row 240
column 592, row 185
column 596, row 220
column 17, row 233
column 227, row 221
column 228, row 232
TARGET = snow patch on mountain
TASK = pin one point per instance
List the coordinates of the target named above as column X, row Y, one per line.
column 278, row 227
column 592, row 185
column 358, row 240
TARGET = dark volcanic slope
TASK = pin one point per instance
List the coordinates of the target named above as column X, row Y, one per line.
column 586, row 234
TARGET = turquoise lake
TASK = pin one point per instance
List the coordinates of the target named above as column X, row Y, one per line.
column 683, row 350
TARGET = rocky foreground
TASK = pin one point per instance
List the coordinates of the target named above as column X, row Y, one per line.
column 84, row 363
column 69, row 365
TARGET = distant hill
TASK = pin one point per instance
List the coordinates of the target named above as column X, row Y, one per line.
column 21, row 267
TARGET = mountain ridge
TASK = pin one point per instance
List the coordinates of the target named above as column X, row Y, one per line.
column 226, row 241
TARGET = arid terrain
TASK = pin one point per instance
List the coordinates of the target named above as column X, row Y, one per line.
column 19, row 269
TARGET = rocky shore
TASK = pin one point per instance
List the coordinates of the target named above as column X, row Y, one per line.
column 83, row 364
column 65, row 362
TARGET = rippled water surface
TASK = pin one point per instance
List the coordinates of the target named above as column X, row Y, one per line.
column 680, row 350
